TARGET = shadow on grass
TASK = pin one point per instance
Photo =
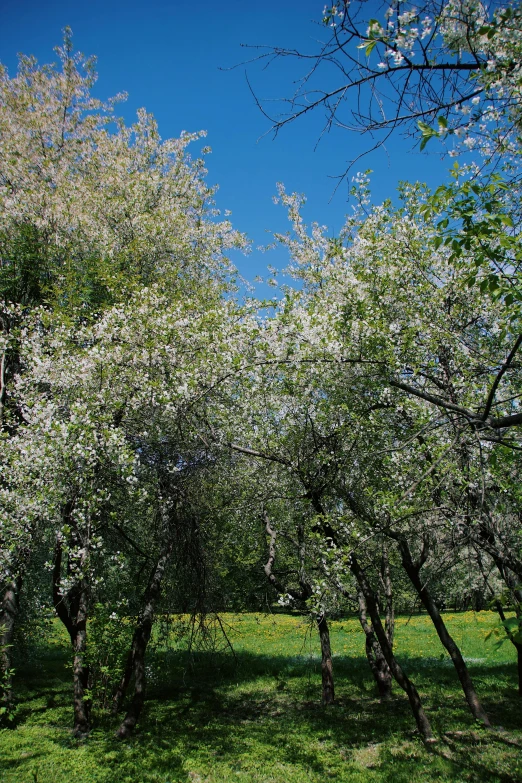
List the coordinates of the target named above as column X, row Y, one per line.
column 211, row 717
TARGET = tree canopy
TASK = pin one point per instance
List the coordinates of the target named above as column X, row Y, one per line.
column 170, row 448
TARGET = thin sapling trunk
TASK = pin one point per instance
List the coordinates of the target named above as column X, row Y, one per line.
column 326, row 660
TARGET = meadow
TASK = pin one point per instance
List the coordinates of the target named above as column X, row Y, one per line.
column 255, row 716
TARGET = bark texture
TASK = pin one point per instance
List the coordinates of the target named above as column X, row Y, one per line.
column 72, row 609
column 517, row 646
column 376, row 660
column 136, row 660
column 413, row 570
column 400, row 677
column 8, row 614
column 389, row 623
column 326, row 661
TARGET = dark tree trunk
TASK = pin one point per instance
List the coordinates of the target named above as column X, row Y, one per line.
column 376, row 660
column 400, row 677
column 136, row 660
column 8, row 614
column 389, row 622
column 121, row 690
column 519, row 666
column 136, row 667
column 72, row 609
column 326, row 661
column 413, row 571
column 82, row 704
column 517, row 646
column 9, row 365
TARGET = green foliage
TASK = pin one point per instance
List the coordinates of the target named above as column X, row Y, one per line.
column 359, row 408
column 475, row 224
column 109, row 643
column 7, row 708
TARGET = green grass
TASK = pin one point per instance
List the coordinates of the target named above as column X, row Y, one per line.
column 259, row 719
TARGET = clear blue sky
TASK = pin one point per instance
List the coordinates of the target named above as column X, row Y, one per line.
column 168, row 55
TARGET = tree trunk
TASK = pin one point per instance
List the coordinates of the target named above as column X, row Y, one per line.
column 136, row 661
column 137, row 668
column 326, row 660
column 328, row 690
column 8, row 614
column 517, row 646
column 376, row 660
column 413, row 571
column 121, row 690
column 82, row 705
column 11, row 599
column 72, row 610
column 389, row 622
column 400, row 677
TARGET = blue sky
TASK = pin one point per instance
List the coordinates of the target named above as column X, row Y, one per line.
column 175, row 59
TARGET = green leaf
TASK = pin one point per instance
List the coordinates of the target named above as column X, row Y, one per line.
column 368, row 45
column 455, row 245
column 427, row 133
column 506, row 220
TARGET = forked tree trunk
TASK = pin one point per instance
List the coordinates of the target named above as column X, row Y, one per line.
column 400, row 677
column 136, row 660
column 376, row 660
column 72, row 609
column 413, row 571
column 326, row 660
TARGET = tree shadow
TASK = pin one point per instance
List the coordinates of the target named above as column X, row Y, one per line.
column 239, row 714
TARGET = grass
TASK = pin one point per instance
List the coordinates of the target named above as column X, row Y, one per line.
column 258, row 718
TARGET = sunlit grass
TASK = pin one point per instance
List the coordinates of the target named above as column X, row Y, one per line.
column 258, row 718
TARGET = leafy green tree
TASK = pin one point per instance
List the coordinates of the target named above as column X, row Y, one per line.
column 104, row 227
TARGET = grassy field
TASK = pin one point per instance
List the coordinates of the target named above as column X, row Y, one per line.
column 258, row 718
